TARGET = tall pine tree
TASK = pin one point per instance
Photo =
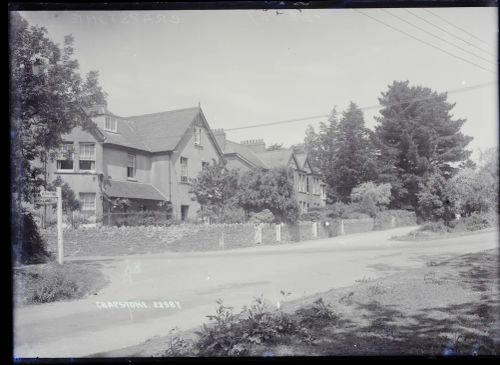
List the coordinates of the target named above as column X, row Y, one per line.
column 354, row 163
column 343, row 152
column 321, row 148
column 416, row 136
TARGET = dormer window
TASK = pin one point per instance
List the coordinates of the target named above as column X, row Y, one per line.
column 110, row 124
column 197, row 136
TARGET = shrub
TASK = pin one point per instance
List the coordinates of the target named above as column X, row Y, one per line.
column 476, row 222
column 262, row 324
column 317, row 315
column 332, row 228
column 228, row 215
column 337, row 210
column 383, row 219
column 368, row 206
column 53, row 282
column 222, row 337
column 231, row 334
column 177, row 345
column 143, row 218
column 371, row 197
column 341, row 210
column 436, row 227
column 265, row 216
column 28, row 246
column 76, row 219
column 311, row 216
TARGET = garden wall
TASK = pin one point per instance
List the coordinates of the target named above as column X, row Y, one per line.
column 109, row 240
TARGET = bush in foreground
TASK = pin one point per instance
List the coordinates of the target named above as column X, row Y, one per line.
column 261, row 324
column 28, row 247
column 36, row 284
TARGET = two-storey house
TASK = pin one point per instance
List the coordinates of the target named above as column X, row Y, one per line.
column 252, row 154
column 147, row 159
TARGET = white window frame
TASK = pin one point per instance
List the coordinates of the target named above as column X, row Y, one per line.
column 86, row 156
column 61, row 156
column 86, row 203
column 131, row 158
column 184, row 169
column 113, row 122
column 197, row 136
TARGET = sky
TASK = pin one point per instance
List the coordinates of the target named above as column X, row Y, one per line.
column 248, row 67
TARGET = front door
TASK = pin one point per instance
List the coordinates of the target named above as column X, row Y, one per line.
column 184, row 212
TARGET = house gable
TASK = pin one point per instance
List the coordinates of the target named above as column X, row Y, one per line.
column 293, row 162
column 200, row 121
column 307, row 167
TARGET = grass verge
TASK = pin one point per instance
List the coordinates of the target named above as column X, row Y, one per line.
column 37, row 284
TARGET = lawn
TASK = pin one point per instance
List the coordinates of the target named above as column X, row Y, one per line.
column 443, row 309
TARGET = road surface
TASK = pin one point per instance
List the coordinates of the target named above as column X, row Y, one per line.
column 196, row 280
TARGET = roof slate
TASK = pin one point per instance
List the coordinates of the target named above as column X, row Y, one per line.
column 152, row 132
column 163, row 131
column 132, row 190
column 276, row 158
column 126, row 136
column 245, row 152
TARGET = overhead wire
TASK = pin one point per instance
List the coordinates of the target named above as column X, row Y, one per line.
column 424, row 42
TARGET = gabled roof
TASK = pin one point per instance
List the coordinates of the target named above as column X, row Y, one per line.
column 301, row 158
column 132, row 190
column 163, row 131
column 156, row 132
column 276, row 158
column 127, row 136
column 243, row 151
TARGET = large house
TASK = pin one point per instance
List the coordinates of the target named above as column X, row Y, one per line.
column 146, row 159
column 252, row 154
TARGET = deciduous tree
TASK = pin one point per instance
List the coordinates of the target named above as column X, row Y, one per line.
column 216, row 187
column 269, row 189
column 48, row 98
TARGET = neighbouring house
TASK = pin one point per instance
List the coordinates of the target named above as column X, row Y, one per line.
column 252, row 154
column 149, row 160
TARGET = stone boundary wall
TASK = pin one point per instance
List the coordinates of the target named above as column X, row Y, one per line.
column 109, row 240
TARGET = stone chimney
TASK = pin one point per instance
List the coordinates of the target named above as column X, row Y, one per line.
column 220, row 136
column 256, row 145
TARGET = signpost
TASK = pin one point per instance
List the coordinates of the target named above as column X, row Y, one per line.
column 50, row 198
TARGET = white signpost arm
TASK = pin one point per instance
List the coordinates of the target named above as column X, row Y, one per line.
column 60, row 252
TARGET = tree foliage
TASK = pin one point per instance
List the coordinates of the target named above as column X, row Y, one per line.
column 432, row 199
column 372, row 197
column 215, row 188
column 28, row 246
column 69, row 201
column 475, row 190
column 48, row 98
column 354, row 162
column 269, row 189
column 342, row 152
column 417, row 138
